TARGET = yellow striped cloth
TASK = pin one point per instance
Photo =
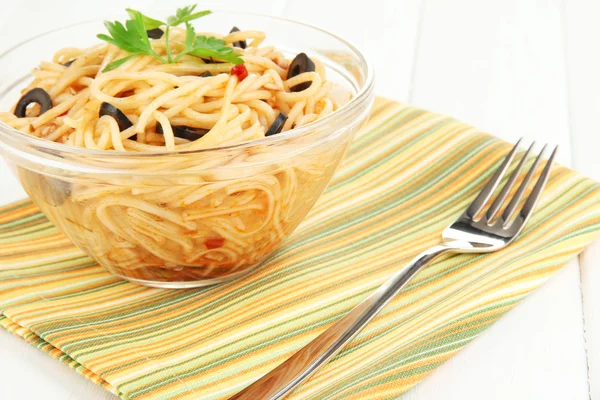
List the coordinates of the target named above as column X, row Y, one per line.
column 406, row 176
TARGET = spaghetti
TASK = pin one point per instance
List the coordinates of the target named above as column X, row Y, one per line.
column 176, row 230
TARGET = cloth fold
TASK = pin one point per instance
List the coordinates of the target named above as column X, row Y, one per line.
column 407, row 175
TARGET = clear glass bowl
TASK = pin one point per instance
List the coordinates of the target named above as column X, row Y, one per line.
column 196, row 218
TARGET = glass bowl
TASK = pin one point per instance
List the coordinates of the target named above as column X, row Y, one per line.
column 186, row 219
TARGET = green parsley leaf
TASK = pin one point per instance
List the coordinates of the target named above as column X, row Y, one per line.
column 132, row 37
column 119, row 62
column 185, row 15
column 212, row 47
column 190, row 36
column 182, row 15
column 149, row 23
column 203, row 46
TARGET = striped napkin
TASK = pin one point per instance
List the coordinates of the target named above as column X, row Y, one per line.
column 406, row 176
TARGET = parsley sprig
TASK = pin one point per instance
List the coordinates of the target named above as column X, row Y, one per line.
column 133, row 38
column 204, row 46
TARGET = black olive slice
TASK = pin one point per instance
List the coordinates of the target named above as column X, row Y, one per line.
column 240, row 43
column 68, row 63
column 155, row 33
column 122, row 120
column 184, row 132
column 277, row 125
column 300, row 64
column 206, row 74
column 211, row 60
column 37, row 95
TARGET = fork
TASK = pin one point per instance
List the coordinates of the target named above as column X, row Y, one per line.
column 475, row 231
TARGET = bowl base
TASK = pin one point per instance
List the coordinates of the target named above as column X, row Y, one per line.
column 186, row 284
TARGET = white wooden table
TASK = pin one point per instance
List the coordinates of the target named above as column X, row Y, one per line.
column 511, row 67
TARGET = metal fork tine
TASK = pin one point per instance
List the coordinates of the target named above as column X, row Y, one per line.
column 491, row 185
column 514, row 202
column 535, row 195
column 497, row 204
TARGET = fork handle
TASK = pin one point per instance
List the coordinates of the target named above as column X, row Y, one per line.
column 283, row 379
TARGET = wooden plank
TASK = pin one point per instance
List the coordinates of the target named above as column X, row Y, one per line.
column 385, row 31
column 590, row 286
column 30, row 374
column 10, row 187
column 500, row 66
column 583, row 63
column 522, row 357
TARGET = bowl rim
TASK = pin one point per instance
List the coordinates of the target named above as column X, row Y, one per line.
column 361, row 97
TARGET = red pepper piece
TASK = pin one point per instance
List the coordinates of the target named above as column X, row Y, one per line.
column 214, row 243
column 240, row 71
